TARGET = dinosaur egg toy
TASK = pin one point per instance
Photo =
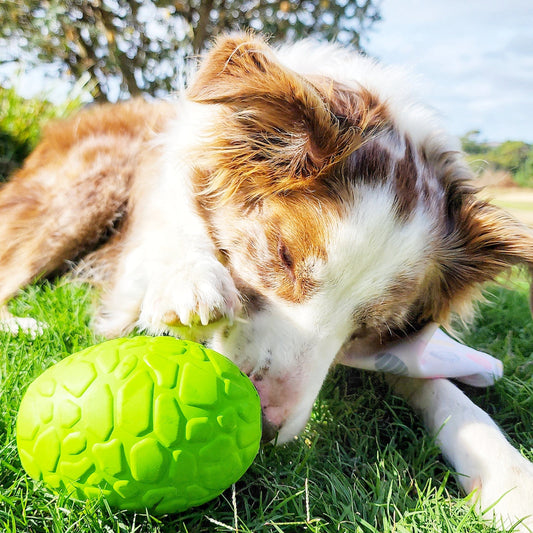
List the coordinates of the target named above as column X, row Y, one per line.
column 145, row 422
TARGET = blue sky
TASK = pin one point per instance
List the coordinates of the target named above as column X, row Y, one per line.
column 474, row 59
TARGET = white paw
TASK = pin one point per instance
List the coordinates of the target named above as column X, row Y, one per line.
column 506, row 492
column 198, row 293
column 26, row 325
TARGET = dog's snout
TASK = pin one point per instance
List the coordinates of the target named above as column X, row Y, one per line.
column 270, row 430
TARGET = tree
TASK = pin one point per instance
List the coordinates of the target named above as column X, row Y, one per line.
column 513, row 157
column 141, row 46
column 471, row 143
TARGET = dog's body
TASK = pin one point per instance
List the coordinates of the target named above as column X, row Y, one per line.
column 289, row 203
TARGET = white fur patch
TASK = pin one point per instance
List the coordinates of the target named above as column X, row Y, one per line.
column 15, row 325
column 290, row 347
column 367, row 251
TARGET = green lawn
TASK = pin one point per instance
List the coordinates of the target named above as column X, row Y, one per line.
column 525, row 206
column 364, row 462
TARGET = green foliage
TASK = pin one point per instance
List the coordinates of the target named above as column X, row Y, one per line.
column 364, row 463
column 142, row 45
column 20, row 126
column 510, row 155
column 515, row 157
column 524, row 174
column 471, row 143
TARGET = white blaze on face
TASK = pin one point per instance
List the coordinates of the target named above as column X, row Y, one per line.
column 368, row 251
column 287, row 348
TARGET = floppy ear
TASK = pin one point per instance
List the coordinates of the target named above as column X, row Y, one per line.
column 482, row 241
column 276, row 131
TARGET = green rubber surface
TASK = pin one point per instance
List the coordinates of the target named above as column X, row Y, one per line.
column 147, row 422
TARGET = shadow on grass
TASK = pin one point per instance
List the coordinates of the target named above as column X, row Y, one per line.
column 12, row 153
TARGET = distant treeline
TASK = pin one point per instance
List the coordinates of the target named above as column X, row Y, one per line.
column 511, row 158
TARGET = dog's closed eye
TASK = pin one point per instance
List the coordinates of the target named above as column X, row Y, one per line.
column 286, row 259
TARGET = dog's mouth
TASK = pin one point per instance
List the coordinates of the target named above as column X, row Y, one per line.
column 269, row 430
column 286, row 387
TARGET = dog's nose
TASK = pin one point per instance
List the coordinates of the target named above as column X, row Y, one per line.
column 270, row 430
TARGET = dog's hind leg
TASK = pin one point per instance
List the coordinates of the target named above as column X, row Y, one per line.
column 476, row 448
column 65, row 200
column 72, row 190
column 42, row 228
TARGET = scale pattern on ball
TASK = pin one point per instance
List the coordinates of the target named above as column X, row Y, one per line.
column 146, row 422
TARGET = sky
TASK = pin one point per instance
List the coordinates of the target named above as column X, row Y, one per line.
column 473, row 58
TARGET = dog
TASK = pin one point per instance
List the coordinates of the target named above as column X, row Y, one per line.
column 292, row 202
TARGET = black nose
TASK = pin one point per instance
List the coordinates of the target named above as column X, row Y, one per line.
column 270, row 431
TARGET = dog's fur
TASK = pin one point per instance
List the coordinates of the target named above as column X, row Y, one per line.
column 289, row 202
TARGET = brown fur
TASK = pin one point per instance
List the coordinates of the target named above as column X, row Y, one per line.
column 278, row 133
column 286, row 150
column 72, row 190
column 405, row 173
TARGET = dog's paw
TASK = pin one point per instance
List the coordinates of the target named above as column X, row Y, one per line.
column 505, row 493
column 198, row 294
column 16, row 325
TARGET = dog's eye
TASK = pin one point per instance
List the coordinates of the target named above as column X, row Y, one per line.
column 286, row 258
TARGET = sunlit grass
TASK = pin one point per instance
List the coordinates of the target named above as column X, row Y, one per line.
column 363, row 464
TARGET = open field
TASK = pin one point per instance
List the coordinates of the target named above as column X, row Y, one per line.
column 518, row 201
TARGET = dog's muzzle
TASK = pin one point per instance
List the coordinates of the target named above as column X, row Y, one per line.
column 270, row 431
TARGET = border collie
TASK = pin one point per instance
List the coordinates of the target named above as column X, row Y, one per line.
column 290, row 203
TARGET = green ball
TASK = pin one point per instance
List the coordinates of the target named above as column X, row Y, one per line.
column 146, row 422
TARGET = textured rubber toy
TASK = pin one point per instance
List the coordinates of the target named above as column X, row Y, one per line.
column 147, row 422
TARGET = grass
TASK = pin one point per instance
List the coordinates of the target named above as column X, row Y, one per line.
column 363, row 464
column 515, row 205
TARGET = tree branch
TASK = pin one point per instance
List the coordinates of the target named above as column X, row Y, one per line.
column 123, row 63
column 201, row 30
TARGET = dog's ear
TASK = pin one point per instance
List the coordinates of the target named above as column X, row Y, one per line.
column 277, row 131
column 239, row 67
column 481, row 242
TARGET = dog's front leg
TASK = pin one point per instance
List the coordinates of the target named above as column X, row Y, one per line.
column 476, row 448
column 168, row 277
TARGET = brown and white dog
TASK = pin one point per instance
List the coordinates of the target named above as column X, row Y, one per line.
column 291, row 201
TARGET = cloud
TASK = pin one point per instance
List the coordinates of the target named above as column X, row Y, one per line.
column 476, row 59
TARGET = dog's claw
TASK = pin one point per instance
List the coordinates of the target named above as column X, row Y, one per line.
column 203, row 311
column 196, row 294
column 231, row 316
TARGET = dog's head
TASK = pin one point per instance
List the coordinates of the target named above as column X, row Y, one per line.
column 343, row 212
